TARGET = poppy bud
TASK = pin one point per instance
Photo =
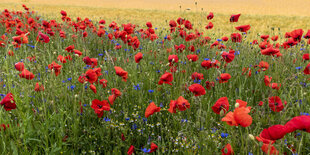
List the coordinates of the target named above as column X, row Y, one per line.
column 251, row 137
column 237, row 105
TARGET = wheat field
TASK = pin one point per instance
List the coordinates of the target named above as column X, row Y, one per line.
column 264, row 16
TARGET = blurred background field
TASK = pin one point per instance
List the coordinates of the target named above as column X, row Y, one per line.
column 262, row 15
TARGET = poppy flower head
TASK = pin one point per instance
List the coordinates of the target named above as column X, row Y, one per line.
column 227, row 150
column 138, row 57
column 243, row 28
column 267, row 80
column 166, row 78
column 236, row 37
column 151, row 109
column 26, row 74
column 55, row 67
column 298, row 123
column 228, row 57
column 192, row 57
column 273, row 133
column 275, row 103
column 210, row 16
column 197, row 89
column 91, row 76
column 8, row 102
column 182, row 104
column 221, row 105
column 234, row 18
column 224, row 78
column 242, row 117
column 154, row 147
column 100, row 106
column 122, row 73
column 197, row 76
column 116, row 92
column 19, row 66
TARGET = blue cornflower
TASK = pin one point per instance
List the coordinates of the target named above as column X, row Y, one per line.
column 69, row 79
column 145, row 150
column 298, row 68
column 100, row 54
column 151, row 91
column 106, row 119
column 219, row 40
column 224, row 135
column 127, row 119
column 206, row 59
column 137, row 87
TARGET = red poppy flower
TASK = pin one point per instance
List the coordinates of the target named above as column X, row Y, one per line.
column 10, row 53
column 210, row 16
column 242, row 117
column 307, row 69
column 209, row 85
column 209, row 26
column 298, row 123
column 154, row 147
column 131, row 150
column 209, row 64
column 62, row 59
column 172, row 106
column 172, row 23
column 297, row 34
column 179, row 48
column 138, row 57
column 225, row 38
column 273, row 133
column 269, row 149
column 100, row 106
column 192, row 57
column 188, row 25
column 267, row 80
column 234, row 18
column 243, row 28
column 77, row 52
column 63, row 13
column 19, row 66
column 26, row 74
column 197, row 89
column 274, row 38
column 151, row 109
column 260, row 103
column 263, row 65
column 275, row 103
column 55, row 67
column 275, row 86
column 197, row 76
column 116, row 92
column 43, row 37
column 8, row 102
column 227, row 150
column 93, row 88
column 263, row 45
column 111, row 99
column 103, row 82
column 120, row 72
column 306, row 56
column 166, row 78
column 221, row 105
column 270, row 51
column 230, row 119
column 182, row 104
column 38, row 87
column 228, row 57
column 236, row 37
column 224, row 78
column 70, row 48
column 4, row 126
column 91, row 76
